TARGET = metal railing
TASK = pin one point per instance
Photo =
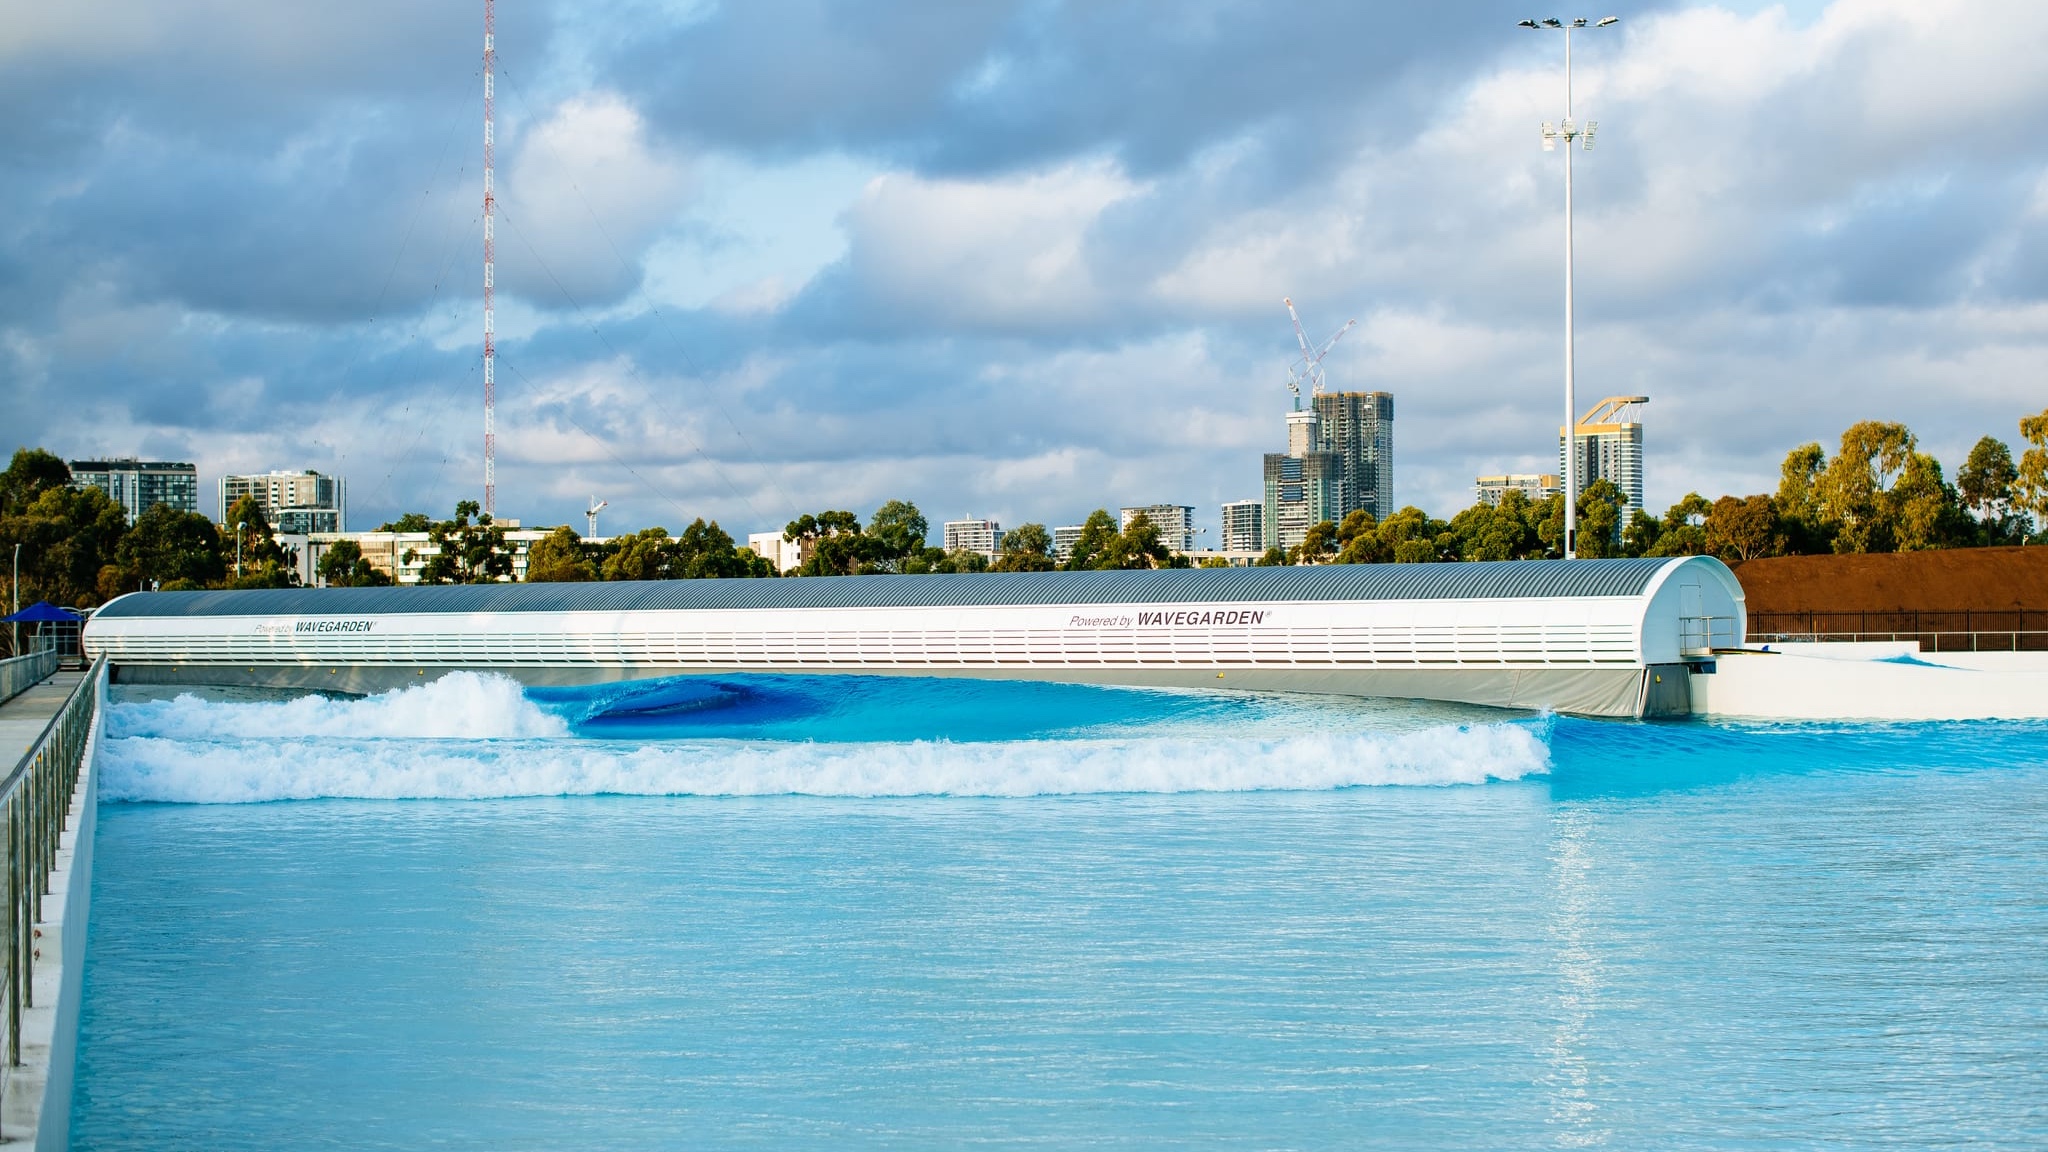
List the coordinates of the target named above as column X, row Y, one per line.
column 1698, row 635
column 1928, row 641
column 21, row 673
column 35, row 802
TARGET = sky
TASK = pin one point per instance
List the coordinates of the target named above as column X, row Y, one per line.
column 1014, row 260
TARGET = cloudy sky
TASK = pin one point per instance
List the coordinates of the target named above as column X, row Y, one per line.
column 1016, row 259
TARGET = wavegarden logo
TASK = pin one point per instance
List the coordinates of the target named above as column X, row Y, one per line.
column 334, row 625
column 1200, row 618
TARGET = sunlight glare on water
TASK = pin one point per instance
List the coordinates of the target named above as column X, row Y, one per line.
column 791, row 912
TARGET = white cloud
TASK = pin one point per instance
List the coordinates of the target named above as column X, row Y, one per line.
column 1003, row 253
column 586, row 191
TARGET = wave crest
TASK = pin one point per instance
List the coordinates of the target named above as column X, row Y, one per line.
column 457, row 706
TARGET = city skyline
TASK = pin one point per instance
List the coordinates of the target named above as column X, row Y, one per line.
column 976, row 284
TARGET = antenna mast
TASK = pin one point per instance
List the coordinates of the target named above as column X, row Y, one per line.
column 490, row 349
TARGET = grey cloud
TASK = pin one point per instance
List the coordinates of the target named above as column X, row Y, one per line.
column 981, row 88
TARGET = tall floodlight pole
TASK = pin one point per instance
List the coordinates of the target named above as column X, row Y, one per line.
column 14, row 630
column 490, row 293
column 1569, row 132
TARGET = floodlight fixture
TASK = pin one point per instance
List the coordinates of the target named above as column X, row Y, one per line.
column 1592, row 126
column 1606, row 20
column 1526, row 24
column 1553, row 22
column 1579, row 23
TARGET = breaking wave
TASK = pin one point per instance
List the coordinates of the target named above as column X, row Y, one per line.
column 468, row 736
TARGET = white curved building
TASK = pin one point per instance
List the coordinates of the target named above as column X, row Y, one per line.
column 1594, row 637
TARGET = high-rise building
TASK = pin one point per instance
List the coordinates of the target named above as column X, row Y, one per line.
column 1359, row 427
column 1064, row 538
column 1244, row 526
column 1535, row 485
column 139, row 485
column 296, row 502
column 1176, row 523
column 983, row 536
column 1610, row 447
column 1301, row 492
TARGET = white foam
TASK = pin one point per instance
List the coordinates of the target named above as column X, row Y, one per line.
column 458, row 706
column 160, row 769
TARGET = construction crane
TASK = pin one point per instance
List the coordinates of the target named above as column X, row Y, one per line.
column 1309, row 369
column 596, row 506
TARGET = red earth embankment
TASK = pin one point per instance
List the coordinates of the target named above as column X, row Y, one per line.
column 1957, row 599
column 1950, row 580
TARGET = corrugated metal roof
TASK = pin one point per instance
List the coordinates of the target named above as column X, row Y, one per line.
column 1512, row 578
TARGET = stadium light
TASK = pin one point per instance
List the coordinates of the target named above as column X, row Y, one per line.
column 1569, row 131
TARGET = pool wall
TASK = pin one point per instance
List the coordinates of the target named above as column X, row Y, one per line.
column 1874, row 681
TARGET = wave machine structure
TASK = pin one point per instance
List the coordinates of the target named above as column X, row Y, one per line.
column 1590, row 637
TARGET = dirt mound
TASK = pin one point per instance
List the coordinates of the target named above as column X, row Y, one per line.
column 1951, row 580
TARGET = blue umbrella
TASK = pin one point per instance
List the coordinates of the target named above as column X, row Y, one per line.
column 42, row 612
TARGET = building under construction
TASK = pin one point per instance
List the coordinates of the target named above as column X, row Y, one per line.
column 1339, row 460
column 1340, row 450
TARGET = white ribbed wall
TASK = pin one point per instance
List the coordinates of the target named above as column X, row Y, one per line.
column 1568, row 632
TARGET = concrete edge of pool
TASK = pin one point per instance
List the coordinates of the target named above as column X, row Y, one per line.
column 35, row 1106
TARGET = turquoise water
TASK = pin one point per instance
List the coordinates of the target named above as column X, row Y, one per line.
column 790, row 913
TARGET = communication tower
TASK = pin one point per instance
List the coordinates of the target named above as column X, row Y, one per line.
column 490, row 294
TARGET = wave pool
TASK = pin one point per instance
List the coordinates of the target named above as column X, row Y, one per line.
column 788, row 912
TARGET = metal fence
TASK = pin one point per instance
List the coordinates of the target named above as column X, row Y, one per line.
column 29, row 639
column 2010, row 630
column 21, row 673
column 35, row 801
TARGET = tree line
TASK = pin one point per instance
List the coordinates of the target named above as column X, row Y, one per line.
column 836, row 543
column 1877, row 493
column 78, row 549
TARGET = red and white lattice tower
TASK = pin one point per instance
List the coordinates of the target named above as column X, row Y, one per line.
column 490, row 295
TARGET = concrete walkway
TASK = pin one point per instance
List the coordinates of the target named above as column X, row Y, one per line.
column 23, row 718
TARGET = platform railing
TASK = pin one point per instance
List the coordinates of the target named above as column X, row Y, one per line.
column 1977, row 630
column 1700, row 635
column 35, row 803
column 1980, row 641
column 18, row 674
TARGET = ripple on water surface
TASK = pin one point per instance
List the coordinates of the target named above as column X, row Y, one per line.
column 780, row 912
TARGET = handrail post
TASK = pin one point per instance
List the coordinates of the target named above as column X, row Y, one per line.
column 15, row 933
